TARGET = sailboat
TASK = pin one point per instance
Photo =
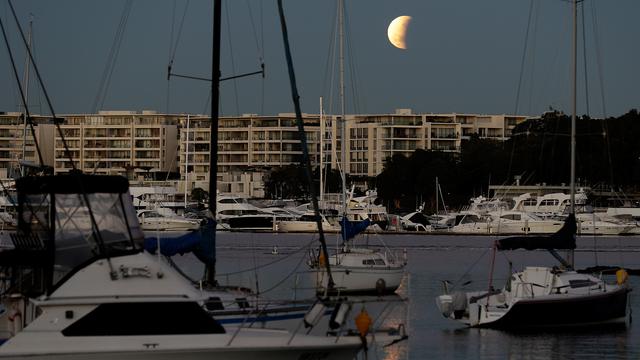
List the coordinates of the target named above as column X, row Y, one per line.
column 544, row 297
column 355, row 269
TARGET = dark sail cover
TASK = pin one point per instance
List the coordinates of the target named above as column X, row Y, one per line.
column 352, row 228
column 563, row 239
column 200, row 242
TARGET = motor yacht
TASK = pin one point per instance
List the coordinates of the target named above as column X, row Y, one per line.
column 152, row 220
column 104, row 298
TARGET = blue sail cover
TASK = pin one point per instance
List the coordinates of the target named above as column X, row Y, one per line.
column 352, row 228
column 201, row 242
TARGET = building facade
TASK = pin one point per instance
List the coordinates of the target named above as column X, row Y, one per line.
column 118, row 142
column 142, row 145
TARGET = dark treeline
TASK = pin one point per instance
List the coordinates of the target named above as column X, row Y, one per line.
column 607, row 153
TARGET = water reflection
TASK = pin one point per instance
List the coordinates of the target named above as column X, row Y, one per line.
column 432, row 259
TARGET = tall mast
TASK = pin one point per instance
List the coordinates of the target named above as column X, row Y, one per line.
column 574, row 46
column 343, row 130
column 321, row 168
column 210, row 269
column 27, row 66
column 574, row 61
column 186, row 165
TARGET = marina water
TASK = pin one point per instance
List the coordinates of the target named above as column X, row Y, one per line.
column 279, row 261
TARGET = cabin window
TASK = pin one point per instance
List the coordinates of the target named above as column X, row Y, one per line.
column 368, row 262
column 213, row 304
column 163, row 318
column 227, row 201
column 379, row 262
column 242, row 303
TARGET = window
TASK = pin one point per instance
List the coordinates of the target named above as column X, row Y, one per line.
column 164, row 318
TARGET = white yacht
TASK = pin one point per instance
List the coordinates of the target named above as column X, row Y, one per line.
column 592, row 224
column 152, row 220
column 236, row 213
column 519, row 222
column 471, row 222
column 306, row 223
column 103, row 298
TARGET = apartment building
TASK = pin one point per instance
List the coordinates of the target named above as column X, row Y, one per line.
column 247, row 145
column 117, row 142
column 143, row 144
column 16, row 143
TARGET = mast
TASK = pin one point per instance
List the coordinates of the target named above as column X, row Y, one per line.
column 186, row 165
column 27, row 66
column 210, row 269
column 436, row 195
column 572, row 180
column 343, row 130
column 322, row 130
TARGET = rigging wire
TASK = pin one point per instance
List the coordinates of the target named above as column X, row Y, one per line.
column 27, row 113
column 57, row 121
column 259, row 48
column 173, row 45
column 329, row 72
column 524, row 54
column 352, row 61
column 305, row 247
column 232, row 59
column 112, row 58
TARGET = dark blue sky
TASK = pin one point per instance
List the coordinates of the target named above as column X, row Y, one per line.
column 463, row 55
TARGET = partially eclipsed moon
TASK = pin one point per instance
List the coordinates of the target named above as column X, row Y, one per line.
column 397, row 31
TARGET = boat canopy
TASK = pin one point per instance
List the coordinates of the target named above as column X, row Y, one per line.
column 563, row 239
column 352, row 228
column 70, row 220
column 196, row 241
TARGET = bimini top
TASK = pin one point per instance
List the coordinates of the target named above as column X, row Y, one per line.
column 71, row 220
column 563, row 239
column 72, row 184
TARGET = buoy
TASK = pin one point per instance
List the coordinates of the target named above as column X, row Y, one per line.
column 321, row 259
column 363, row 321
column 621, row 276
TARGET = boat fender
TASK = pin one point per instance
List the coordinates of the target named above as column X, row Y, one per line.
column 321, row 260
column 15, row 321
column 314, row 315
column 363, row 322
column 381, row 286
column 339, row 314
column 445, row 304
column 621, row 276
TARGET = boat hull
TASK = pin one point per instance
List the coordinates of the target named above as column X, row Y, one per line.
column 601, row 308
column 354, row 280
column 162, row 349
column 250, row 223
column 303, row 226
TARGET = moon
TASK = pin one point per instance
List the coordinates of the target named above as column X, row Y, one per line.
column 397, row 31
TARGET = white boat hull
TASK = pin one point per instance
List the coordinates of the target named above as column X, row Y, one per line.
column 360, row 280
column 303, row 226
column 186, row 347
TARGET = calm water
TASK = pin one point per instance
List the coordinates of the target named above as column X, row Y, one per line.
column 431, row 260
